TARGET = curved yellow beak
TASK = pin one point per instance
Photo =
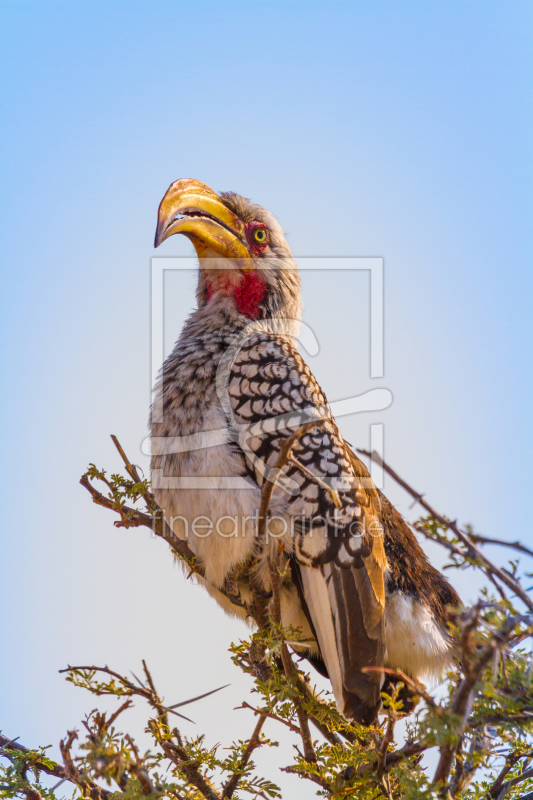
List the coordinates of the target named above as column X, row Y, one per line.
column 192, row 208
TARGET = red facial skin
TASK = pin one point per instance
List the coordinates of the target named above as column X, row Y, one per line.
column 248, row 292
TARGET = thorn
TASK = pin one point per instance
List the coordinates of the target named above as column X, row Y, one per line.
column 170, row 711
column 417, row 499
column 200, row 697
column 7, row 744
column 138, row 681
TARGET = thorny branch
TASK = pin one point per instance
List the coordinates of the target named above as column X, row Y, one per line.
column 468, row 541
column 179, row 756
column 132, row 517
column 415, row 687
column 88, row 787
column 496, row 788
column 526, row 775
column 474, row 661
column 253, row 742
column 288, row 666
column 270, row 715
column 462, row 699
column 175, row 752
column 480, row 644
column 383, row 749
column 6, row 744
column 148, row 692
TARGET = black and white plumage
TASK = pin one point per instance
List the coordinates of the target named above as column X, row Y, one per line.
column 361, row 590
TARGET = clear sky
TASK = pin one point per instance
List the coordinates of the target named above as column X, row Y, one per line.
column 386, row 128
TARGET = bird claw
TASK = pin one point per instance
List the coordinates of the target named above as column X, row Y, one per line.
column 235, row 599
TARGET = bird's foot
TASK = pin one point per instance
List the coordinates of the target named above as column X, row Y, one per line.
column 403, row 694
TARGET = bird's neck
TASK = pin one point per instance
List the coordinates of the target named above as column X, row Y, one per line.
column 248, row 293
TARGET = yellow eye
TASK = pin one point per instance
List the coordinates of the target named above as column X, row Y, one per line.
column 260, row 235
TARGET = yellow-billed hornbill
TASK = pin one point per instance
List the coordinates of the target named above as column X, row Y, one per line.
column 360, row 588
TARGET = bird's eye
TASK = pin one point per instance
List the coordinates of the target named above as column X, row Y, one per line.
column 260, row 235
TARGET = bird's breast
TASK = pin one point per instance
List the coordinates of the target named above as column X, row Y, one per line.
column 205, row 495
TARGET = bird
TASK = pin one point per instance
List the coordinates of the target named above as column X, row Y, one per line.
column 358, row 590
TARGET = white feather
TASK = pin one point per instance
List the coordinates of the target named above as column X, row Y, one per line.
column 317, row 596
column 415, row 642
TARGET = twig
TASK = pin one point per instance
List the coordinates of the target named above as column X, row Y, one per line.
column 514, row 781
column 311, row 697
column 254, row 742
column 118, row 712
column 72, row 773
column 416, row 687
column 493, row 719
column 149, row 693
column 133, row 518
column 147, row 496
column 288, row 666
column 384, row 747
column 154, row 699
column 466, row 766
column 442, row 540
column 462, row 698
column 478, row 539
column 496, row 787
column 270, row 483
column 138, row 769
column 497, row 586
column 502, row 575
column 332, row 493
column 269, row 714
column 297, row 770
column 409, row 750
column 57, row 771
column 178, row 755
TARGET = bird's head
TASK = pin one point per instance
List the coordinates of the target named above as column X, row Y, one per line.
column 245, row 261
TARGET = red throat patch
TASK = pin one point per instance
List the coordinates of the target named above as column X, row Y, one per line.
column 248, row 295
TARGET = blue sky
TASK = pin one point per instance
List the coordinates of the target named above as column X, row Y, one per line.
column 393, row 129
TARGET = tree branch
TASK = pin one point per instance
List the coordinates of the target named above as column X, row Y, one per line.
column 88, row 787
column 269, row 714
column 253, row 743
column 288, row 666
column 461, row 701
column 178, row 755
column 57, row 771
column 416, row 687
column 475, row 552
column 514, row 782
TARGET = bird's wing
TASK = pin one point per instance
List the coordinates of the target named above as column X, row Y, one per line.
column 338, row 551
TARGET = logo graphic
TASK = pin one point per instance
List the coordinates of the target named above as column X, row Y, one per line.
column 374, row 400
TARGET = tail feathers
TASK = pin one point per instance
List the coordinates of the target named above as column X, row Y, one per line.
column 344, row 645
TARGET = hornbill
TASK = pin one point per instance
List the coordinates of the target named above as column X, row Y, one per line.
column 358, row 586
